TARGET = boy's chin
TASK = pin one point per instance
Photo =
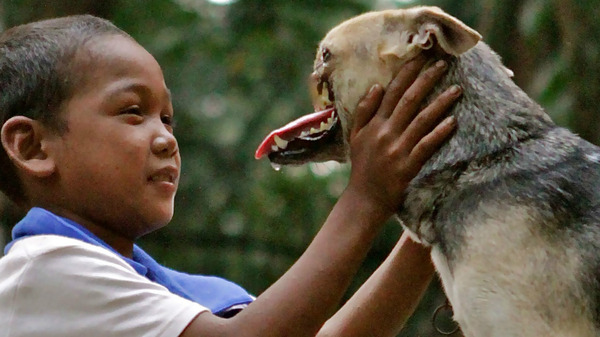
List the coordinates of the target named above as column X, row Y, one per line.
column 150, row 228
column 164, row 219
column 156, row 221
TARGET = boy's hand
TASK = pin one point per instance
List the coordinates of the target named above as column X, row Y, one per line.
column 391, row 140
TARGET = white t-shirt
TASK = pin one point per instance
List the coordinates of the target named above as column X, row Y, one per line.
column 55, row 286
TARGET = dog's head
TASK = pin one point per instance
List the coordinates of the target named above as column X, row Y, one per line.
column 360, row 52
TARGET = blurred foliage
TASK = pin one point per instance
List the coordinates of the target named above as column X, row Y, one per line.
column 238, row 71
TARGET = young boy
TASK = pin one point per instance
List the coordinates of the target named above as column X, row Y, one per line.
column 88, row 148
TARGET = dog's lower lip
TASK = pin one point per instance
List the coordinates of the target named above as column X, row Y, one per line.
column 324, row 147
column 313, row 137
column 307, row 127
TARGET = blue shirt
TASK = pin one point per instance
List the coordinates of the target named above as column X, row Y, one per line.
column 212, row 292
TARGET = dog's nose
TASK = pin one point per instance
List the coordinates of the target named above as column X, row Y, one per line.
column 313, row 79
column 315, row 86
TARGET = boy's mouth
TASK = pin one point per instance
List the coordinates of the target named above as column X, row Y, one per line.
column 167, row 174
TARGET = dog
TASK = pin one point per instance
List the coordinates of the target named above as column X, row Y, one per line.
column 510, row 204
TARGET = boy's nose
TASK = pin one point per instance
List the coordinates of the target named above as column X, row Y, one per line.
column 164, row 144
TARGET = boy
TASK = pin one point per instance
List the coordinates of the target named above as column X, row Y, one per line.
column 88, row 147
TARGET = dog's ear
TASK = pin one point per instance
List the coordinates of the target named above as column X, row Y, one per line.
column 427, row 25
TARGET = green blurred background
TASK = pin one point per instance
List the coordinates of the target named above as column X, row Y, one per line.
column 239, row 69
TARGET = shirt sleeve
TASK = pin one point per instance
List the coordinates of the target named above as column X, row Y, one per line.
column 83, row 290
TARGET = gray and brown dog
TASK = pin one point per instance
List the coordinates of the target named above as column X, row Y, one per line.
column 510, row 204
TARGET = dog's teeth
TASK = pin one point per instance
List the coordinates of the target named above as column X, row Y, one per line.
column 325, row 95
column 280, row 142
column 313, row 130
column 304, row 133
column 274, row 148
column 324, row 126
column 330, row 120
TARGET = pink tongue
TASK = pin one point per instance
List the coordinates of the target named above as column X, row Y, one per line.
column 293, row 130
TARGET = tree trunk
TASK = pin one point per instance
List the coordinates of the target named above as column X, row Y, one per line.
column 581, row 49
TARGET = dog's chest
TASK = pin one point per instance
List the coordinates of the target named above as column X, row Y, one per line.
column 429, row 213
column 505, row 279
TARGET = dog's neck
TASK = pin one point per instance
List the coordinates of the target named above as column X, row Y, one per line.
column 493, row 115
column 494, row 119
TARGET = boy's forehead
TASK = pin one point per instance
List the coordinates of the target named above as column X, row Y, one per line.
column 114, row 57
column 114, row 50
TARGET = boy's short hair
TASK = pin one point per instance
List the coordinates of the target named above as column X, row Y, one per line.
column 37, row 76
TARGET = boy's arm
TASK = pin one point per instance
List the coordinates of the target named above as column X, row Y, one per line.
column 299, row 303
column 387, row 299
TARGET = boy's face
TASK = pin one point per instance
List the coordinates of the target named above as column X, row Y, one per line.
column 118, row 164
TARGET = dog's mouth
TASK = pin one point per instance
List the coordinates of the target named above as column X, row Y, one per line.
column 311, row 138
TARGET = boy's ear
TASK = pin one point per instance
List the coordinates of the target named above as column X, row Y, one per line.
column 24, row 141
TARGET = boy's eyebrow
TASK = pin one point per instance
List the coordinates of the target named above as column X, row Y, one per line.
column 139, row 88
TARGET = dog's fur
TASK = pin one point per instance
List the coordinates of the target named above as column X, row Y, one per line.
column 510, row 204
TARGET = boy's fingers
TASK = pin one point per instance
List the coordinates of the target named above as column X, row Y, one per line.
column 405, row 77
column 429, row 144
column 366, row 108
column 427, row 119
column 410, row 102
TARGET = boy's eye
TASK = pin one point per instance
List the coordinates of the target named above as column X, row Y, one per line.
column 132, row 110
column 167, row 120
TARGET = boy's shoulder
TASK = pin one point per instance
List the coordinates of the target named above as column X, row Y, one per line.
column 62, row 255
column 40, row 245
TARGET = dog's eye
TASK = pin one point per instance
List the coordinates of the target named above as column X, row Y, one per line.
column 326, row 54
